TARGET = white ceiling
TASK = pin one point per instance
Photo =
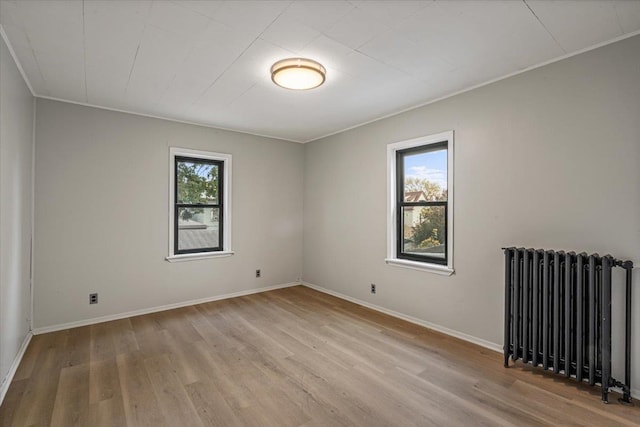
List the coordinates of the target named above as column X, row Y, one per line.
column 208, row 61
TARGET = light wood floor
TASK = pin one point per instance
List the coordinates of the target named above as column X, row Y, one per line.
column 291, row 357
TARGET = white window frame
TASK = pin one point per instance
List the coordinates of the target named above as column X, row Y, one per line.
column 392, row 258
column 226, row 204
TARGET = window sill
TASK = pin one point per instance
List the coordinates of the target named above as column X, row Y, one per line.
column 415, row 265
column 203, row 255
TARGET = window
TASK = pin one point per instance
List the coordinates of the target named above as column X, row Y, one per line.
column 200, row 184
column 420, row 203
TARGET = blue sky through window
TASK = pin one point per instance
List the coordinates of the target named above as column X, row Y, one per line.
column 431, row 166
column 202, row 169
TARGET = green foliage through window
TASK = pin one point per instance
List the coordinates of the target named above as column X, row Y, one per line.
column 422, row 200
column 197, row 183
column 429, row 232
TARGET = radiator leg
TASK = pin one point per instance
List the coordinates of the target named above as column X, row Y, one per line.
column 626, row 395
column 605, row 390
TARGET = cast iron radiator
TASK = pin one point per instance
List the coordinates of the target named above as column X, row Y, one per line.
column 558, row 314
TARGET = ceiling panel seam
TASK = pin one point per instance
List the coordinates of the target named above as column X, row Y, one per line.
column 544, row 26
column 135, row 57
column 258, row 37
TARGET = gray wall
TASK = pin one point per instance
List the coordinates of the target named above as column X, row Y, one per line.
column 545, row 159
column 548, row 159
column 102, row 213
column 16, row 170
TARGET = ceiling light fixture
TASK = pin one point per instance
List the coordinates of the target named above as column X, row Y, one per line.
column 298, row 73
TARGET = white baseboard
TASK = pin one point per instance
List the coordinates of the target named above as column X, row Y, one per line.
column 101, row 319
column 479, row 341
column 6, row 382
column 635, row 393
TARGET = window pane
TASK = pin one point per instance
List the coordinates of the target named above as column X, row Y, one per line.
column 198, row 228
column 424, row 230
column 425, row 176
column 197, row 182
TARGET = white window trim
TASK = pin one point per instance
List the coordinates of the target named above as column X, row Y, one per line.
column 226, row 204
column 392, row 258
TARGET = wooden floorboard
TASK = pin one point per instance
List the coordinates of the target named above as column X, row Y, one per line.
column 290, row 357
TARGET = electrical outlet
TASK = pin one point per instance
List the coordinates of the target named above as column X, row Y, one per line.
column 373, row 288
column 258, row 273
column 93, row 298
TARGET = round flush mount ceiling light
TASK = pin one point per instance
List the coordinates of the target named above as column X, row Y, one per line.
column 298, row 73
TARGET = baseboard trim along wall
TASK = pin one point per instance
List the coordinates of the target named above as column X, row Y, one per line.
column 6, row 382
column 411, row 319
column 635, row 393
column 93, row 321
